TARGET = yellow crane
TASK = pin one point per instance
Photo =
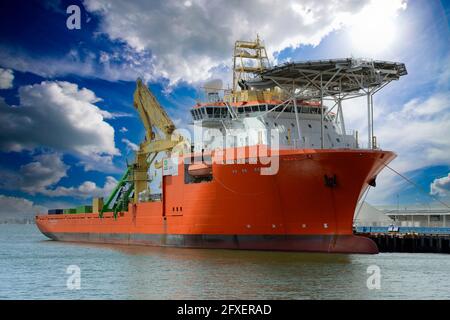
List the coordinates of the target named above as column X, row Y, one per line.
column 159, row 137
column 153, row 117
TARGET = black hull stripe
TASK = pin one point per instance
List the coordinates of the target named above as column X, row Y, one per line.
column 302, row 243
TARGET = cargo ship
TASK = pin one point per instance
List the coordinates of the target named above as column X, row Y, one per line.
column 271, row 165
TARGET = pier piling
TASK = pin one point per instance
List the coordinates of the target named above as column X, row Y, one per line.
column 414, row 243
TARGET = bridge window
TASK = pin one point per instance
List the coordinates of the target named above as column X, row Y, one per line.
column 224, row 112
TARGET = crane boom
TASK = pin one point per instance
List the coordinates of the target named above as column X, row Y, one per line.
column 135, row 179
column 151, row 112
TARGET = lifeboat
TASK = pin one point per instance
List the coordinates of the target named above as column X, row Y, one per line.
column 200, row 170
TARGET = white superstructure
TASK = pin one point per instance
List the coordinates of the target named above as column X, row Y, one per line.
column 266, row 123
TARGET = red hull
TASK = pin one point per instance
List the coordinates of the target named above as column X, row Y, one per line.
column 294, row 210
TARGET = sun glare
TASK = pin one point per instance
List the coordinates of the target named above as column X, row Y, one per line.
column 374, row 29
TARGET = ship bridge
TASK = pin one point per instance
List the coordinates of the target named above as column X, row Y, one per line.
column 291, row 97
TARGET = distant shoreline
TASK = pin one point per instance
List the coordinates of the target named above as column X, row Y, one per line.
column 17, row 221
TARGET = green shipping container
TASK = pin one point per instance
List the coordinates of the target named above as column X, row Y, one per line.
column 70, row 211
column 84, row 209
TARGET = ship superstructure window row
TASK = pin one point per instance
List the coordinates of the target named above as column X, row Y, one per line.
column 222, row 112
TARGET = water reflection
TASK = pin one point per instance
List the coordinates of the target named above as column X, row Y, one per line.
column 215, row 254
column 140, row 272
column 182, row 273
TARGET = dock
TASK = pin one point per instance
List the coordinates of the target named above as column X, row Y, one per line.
column 408, row 239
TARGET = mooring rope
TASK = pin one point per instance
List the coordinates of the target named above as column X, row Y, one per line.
column 417, row 186
column 362, row 202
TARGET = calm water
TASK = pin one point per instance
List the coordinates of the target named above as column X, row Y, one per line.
column 32, row 267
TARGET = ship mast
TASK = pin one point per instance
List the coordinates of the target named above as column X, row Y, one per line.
column 249, row 57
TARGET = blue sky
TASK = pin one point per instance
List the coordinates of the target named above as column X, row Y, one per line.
column 54, row 154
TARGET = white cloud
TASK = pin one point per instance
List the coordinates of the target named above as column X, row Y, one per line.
column 115, row 115
column 440, row 186
column 187, row 40
column 48, row 67
column 42, row 175
column 87, row 189
column 15, row 207
column 61, row 116
column 122, row 63
column 418, row 130
column 35, row 177
column 130, row 145
column 6, row 78
column 375, row 28
column 46, row 170
column 192, row 40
